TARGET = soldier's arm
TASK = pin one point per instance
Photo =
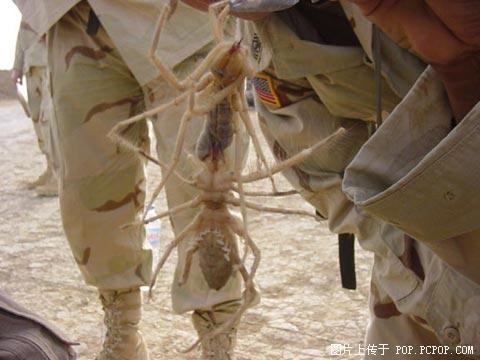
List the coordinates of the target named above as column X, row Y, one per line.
column 445, row 33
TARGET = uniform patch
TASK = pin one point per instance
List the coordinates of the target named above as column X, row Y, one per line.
column 256, row 48
column 265, row 90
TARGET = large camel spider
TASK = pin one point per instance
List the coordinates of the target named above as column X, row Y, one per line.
column 217, row 83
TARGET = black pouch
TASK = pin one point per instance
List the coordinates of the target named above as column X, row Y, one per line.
column 24, row 336
column 93, row 23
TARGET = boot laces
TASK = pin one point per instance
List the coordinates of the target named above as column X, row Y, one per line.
column 112, row 323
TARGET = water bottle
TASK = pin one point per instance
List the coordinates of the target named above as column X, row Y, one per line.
column 152, row 230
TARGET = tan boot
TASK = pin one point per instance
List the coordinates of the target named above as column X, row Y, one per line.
column 222, row 346
column 49, row 188
column 123, row 311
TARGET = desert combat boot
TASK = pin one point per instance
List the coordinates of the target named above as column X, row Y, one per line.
column 220, row 347
column 123, row 311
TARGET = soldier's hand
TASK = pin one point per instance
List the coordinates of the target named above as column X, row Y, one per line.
column 444, row 33
column 16, row 76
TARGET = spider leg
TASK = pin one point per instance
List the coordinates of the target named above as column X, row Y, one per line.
column 188, row 229
column 188, row 264
column 187, row 117
column 218, row 96
column 297, row 158
column 260, row 207
column 217, row 19
column 114, row 133
column 164, row 70
column 239, row 229
column 267, row 193
column 187, row 205
column 238, row 171
column 116, row 138
column 242, row 108
column 158, row 162
column 166, row 73
column 250, row 291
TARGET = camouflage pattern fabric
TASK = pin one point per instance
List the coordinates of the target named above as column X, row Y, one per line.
column 31, row 60
column 131, row 24
column 42, row 114
column 103, row 185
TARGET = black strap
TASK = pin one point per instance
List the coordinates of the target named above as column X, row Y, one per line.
column 346, row 254
column 93, row 23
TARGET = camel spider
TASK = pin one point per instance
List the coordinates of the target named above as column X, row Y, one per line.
column 217, row 83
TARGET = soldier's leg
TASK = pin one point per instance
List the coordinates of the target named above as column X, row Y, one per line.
column 211, row 307
column 34, row 82
column 47, row 129
column 102, row 185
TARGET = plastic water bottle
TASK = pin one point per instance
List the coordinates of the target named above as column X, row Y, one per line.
column 153, row 230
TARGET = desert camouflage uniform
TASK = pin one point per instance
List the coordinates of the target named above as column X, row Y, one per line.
column 313, row 82
column 97, row 81
column 31, row 60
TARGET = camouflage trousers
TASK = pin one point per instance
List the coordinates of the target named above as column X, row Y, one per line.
column 102, row 184
column 41, row 113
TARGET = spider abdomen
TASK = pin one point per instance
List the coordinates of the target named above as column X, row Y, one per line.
column 215, row 260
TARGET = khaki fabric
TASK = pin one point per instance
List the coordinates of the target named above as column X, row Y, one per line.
column 413, row 290
column 404, row 338
column 103, row 185
column 42, row 14
column 428, row 184
column 31, row 60
column 340, row 76
column 130, row 24
column 30, row 50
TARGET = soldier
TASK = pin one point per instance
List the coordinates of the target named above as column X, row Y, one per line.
column 31, row 61
column 315, row 63
column 101, row 74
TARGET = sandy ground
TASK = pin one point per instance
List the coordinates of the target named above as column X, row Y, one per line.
column 7, row 89
column 303, row 308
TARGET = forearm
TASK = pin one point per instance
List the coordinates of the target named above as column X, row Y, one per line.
column 462, row 82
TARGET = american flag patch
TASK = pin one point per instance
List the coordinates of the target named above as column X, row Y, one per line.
column 264, row 88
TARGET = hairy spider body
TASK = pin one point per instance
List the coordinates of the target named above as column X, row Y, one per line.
column 214, row 241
